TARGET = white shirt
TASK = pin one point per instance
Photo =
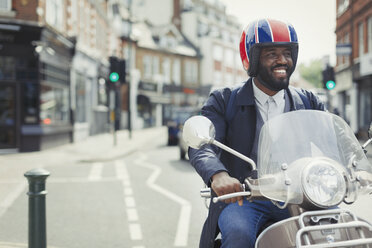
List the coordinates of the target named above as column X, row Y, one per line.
column 269, row 106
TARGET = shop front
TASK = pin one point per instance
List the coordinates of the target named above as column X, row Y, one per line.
column 34, row 88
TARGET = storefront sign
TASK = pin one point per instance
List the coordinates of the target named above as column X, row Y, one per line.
column 343, row 49
column 147, row 86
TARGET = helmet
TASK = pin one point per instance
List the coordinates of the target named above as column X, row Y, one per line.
column 265, row 32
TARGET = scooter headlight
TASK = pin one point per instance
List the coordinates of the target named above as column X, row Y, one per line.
column 323, row 183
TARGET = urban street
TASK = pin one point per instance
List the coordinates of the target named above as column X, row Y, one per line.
column 147, row 198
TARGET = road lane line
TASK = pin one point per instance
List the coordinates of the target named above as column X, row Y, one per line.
column 135, row 230
column 12, row 197
column 128, row 191
column 130, row 202
column 183, row 225
column 132, row 214
column 96, row 172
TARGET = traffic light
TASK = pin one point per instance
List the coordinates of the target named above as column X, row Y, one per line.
column 117, row 70
column 329, row 81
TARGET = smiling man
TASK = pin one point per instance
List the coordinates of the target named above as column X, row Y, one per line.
column 269, row 50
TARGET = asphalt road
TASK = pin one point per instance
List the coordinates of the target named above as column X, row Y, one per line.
column 149, row 199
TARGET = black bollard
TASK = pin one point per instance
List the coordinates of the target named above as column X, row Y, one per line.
column 36, row 208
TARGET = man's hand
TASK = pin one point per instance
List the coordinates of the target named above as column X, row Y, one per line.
column 223, row 184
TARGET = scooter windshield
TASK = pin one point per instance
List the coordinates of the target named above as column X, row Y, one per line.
column 295, row 138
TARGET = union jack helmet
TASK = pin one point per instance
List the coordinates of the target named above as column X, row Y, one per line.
column 265, row 32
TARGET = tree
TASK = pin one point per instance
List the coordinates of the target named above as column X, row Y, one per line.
column 312, row 72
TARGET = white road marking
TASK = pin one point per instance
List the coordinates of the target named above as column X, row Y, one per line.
column 185, row 214
column 130, row 202
column 135, row 230
column 128, row 191
column 132, row 214
column 12, row 197
column 96, row 172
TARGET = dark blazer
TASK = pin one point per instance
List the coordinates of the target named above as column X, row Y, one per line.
column 239, row 135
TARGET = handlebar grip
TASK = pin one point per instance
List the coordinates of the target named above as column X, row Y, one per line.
column 232, row 195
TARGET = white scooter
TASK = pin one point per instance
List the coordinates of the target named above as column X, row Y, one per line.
column 309, row 161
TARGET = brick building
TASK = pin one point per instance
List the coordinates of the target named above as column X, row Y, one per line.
column 354, row 67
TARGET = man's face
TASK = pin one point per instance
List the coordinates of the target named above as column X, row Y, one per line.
column 275, row 66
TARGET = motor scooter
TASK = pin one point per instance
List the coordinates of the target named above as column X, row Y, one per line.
column 309, row 161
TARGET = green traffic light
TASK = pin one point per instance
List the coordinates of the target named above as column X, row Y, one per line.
column 330, row 85
column 114, row 77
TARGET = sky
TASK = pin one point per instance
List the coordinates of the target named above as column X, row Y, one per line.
column 313, row 20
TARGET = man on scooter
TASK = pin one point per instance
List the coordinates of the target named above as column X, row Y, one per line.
column 269, row 50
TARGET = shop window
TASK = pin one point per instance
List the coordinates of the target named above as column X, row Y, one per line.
column 102, row 92
column 54, row 107
column 30, row 97
column 7, row 68
column 80, row 114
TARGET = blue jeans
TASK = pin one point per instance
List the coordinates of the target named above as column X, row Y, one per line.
column 239, row 225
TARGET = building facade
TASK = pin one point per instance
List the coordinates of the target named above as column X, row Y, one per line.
column 35, row 60
column 354, row 67
column 217, row 34
column 168, row 66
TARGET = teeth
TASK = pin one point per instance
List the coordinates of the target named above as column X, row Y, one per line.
column 280, row 71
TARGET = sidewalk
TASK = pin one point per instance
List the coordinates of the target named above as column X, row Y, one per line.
column 94, row 149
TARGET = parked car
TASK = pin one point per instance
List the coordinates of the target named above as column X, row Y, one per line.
column 175, row 123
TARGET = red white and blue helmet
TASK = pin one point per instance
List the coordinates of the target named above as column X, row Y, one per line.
column 265, row 32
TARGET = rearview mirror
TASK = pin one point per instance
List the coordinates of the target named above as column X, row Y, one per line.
column 198, row 131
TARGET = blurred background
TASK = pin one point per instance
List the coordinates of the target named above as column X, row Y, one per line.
column 87, row 87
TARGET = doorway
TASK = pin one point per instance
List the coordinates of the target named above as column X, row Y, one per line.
column 8, row 136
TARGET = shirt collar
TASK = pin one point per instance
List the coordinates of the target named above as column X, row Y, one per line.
column 262, row 97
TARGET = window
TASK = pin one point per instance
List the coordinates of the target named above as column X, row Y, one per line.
column 369, row 33
column 217, row 53
column 361, row 39
column 155, row 65
column 6, row 5
column 342, row 6
column 191, row 72
column 229, row 58
column 80, row 112
column 54, row 106
column 54, row 13
column 30, row 102
column 7, row 68
column 166, row 70
column 217, row 78
column 202, row 29
column 176, row 72
column 147, row 66
column 101, row 92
